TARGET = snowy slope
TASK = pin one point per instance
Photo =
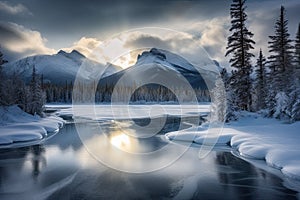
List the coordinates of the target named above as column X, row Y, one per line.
column 158, row 64
column 166, row 58
column 57, row 68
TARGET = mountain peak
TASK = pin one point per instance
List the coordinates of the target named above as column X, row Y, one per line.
column 153, row 53
column 61, row 52
column 72, row 53
column 75, row 52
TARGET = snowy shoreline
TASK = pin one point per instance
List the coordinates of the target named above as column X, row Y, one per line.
column 256, row 139
column 18, row 128
column 253, row 136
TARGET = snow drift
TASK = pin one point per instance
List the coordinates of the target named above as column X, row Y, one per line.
column 18, row 127
column 255, row 138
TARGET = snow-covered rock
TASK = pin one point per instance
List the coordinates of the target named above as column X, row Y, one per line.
column 18, row 127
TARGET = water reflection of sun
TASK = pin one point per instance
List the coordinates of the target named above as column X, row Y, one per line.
column 121, row 141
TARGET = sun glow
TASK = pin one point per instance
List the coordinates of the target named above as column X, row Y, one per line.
column 124, row 61
column 120, row 141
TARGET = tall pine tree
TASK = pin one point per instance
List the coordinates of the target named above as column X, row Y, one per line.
column 280, row 63
column 297, row 49
column 37, row 95
column 2, row 80
column 294, row 104
column 239, row 45
column 260, row 82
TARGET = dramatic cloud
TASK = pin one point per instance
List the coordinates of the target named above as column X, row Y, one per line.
column 176, row 42
column 212, row 36
column 141, row 40
column 71, row 20
column 14, row 9
column 63, row 22
column 18, row 41
column 86, row 46
column 262, row 21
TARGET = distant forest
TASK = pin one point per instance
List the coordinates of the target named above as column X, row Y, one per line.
column 103, row 93
column 32, row 96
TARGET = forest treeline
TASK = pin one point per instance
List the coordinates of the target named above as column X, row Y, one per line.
column 269, row 86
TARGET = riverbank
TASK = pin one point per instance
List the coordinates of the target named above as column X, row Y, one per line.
column 255, row 138
column 18, row 128
column 62, row 168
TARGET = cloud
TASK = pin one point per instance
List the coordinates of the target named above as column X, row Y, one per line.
column 14, row 9
column 142, row 40
column 19, row 41
column 213, row 33
column 262, row 23
column 163, row 39
column 71, row 20
column 212, row 36
column 183, row 44
column 85, row 45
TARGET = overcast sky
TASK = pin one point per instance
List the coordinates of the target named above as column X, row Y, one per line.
column 29, row 27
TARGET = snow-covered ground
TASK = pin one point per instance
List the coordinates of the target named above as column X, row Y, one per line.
column 18, row 128
column 111, row 112
column 255, row 138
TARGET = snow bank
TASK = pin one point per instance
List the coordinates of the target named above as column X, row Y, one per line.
column 113, row 112
column 254, row 137
column 200, row 135
column 16, row 126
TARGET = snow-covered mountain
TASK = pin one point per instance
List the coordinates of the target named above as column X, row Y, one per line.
column 57, row 68
column 158, row 64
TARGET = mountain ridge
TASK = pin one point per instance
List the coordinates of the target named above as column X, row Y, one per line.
column 57, row 68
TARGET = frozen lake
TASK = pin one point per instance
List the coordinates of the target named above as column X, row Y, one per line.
column 65, row 168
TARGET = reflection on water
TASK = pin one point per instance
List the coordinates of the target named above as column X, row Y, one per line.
column 63, row 169
column 38, row 160
column 121, row 141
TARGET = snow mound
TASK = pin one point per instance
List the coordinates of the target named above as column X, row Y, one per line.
column 17, row 127
column 288, row 161
column 270, row 140
column 254, row 137
column 13, row 114
column 200, row 135
column 21, row 133
column 223, row 139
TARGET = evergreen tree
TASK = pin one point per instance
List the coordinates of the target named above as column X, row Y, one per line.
column 219, row 101
column 2, row 80
column 231, row 107
column 37, row 97
column 297, row 50
column 239, row 45
column 280, row 60
column 260, row 82
column 294, row 103
column 280, row 63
